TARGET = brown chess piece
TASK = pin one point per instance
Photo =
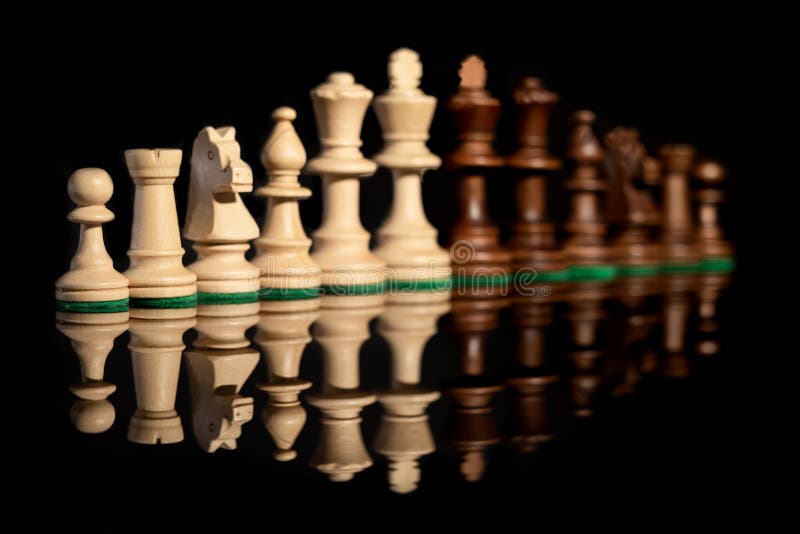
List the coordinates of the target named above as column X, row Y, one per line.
column 585, row 247
column 533, row 242
column 678, row 293
column 632, row 214
column 715, row 250
column 711, row 285
column 480, row 264
column 680, row 243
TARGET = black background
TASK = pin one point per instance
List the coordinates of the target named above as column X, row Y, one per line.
column 676, row 76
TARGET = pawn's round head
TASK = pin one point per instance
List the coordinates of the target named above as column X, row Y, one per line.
column 90, row 187
column 284, row 113
column 709, row 172
column 92, row 416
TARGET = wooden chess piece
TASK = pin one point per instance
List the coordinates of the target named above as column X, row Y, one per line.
column 341, row 244
column 219, row 363
column 290, row 280
column 630, row 210
column 680, row 245
column 716, row 251
column 91, row 285
column 585, row 248
column 480, row 264
column 677, row 307
column 283, row 337
column 711, row 286
column 156, row 346
column 340, row 452
column 218, row 221
column 406, row 240
column 156, row 274
column 533, row 243
column 92, row 337
column 404, row 435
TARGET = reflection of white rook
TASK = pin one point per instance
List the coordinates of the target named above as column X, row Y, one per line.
column 341, row 244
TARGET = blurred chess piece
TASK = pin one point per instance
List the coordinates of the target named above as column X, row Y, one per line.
column 290, row 279
column 219, row 363
column 340, row 452
column 404, row 435
column 679, row 238
column 283, row 337
column 716, row 251
column 156, row 345
column 677, row 307
column 711, row 286
column 92, row 337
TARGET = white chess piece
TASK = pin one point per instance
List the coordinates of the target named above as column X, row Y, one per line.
column 91, row 284
column 341, row 244
column 218, row 221
column 290, row 279
column 156, row 274
column 419, row 267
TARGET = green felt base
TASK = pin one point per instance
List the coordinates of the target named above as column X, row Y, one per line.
column 303, row 293
column 439, row 284
column 488, row 280
column 108, row 306
column 580, row 273
column 718, row 265
column 354, row 290
column 638, row 270
column 227, row 298
column 553, row 276
column 680, row 268
column 188, row 301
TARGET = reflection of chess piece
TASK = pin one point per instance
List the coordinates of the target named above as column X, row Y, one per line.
column 340, row 451
column 677, row 308
column 404, row 435
column 710, row 287
column 716, row 251
column 680, row 246
column 283, row 338
column 92, row 337
column 219, row 363
column 472, row 426
column 156, row 345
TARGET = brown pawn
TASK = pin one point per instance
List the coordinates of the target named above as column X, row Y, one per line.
column 680, row 245
column 711, row 176
column 586, row 242
column 711, row 287
column 533, row 241
column 474, row 241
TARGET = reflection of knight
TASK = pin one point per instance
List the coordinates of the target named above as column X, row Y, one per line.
column 92, row 337
column 219, row 364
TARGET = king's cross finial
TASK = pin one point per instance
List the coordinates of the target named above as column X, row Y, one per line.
column 405, row 69
column 472, row 73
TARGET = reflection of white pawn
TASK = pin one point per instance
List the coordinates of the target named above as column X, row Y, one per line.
column 156, row 274
column 341, row 244
column 91, row 284
column 406, row 240
column 156, row 346
column 92, row 413
column 404, row 435
column 340, row 451
column 283, row 338
column 289, row 278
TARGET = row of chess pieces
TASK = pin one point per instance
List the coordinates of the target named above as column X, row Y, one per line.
column 616, row 225
column 621, row 332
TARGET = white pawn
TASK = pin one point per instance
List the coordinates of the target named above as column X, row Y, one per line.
column 290, row 279
column 341, row 244
column 406, row 241
column 218, row 221
column 156, row 274
column 91, row 284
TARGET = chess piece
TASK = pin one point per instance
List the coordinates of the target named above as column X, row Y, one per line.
column 717, row 253
column 680, row 247
column 219, row 363
column 218, row 221
column 156, row 274
column 340, row 452
column 480, row 264
column 406, row 240
column 92, row 337
column 678, row 290
column 585, row 247
column 341, row 244
column 630, row 210
column 711, row 285
column 156, row 346
column 533, row 243
column 404, row 435
column 91, row 284
column 290, row 280
column 283, row 337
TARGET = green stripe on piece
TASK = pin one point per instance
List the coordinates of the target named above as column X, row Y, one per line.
column 227, row 298
column 489, row 280
column 188, row 301
column 108, row 306
column 680, row 267
column 420, row 285
column 360, row 289
column 638, row 270
column 302, row 293
column 581, row 273
column 720, row 264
